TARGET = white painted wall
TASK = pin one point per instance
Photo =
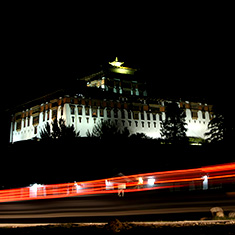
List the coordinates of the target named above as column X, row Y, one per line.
column 84, row 123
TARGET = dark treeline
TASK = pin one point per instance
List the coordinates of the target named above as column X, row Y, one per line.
column 62, row 155
column 31, row 162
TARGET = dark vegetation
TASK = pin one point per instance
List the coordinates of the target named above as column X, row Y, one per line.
column 62, row 156
column 93, row 158
column 174, row 127
column 115, row 226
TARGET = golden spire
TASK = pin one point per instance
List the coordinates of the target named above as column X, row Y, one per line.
column 116, row 63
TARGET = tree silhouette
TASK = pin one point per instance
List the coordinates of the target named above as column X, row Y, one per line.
column 46, row 134
column 59, row 131
column 139, row 136
column 173, row 128
column 108, row 130
column 216, row 129
column 222, row 125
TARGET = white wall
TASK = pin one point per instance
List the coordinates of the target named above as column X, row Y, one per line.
column 84, row 123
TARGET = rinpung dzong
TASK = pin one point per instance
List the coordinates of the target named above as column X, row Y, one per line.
column 127, row 106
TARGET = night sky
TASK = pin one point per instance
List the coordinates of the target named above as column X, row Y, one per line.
column 196, row 75
column 180, row 50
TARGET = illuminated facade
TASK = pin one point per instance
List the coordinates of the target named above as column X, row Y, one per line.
column 119, row 80
column 130, row 108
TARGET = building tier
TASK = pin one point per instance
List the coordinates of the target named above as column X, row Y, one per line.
column 139, row 116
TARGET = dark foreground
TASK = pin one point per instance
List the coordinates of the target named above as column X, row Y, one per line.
column 144, row 206
column 199, row 228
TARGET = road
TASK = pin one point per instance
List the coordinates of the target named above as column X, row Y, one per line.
column 133, row 204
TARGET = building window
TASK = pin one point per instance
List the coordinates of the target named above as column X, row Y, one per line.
column 54, row 113
column 18, row 125
column 101, row 113
column 79, row 110
column 94, row 112
column 108, row 113
column 115, row 111
column 72, row 110
column 35, row 130
column 203, row 115
column 136, row 115
column 35, row 120
column 194, row 115
column 211, row 115
column 136, row 123
column 142, row 116
column 87, row 111
column 148, row 116
column 143, row 124
column 55, row 104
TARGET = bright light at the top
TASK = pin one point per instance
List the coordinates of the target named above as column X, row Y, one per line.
column 116, row 63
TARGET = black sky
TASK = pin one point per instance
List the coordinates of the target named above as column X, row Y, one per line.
column 184, row 55
column 181, row 73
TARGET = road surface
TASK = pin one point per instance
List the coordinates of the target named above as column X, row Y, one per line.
column 133, row 204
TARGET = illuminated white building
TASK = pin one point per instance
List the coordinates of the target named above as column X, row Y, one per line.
column 130, row 108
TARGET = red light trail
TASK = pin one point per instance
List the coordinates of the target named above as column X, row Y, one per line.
column 202, row 177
